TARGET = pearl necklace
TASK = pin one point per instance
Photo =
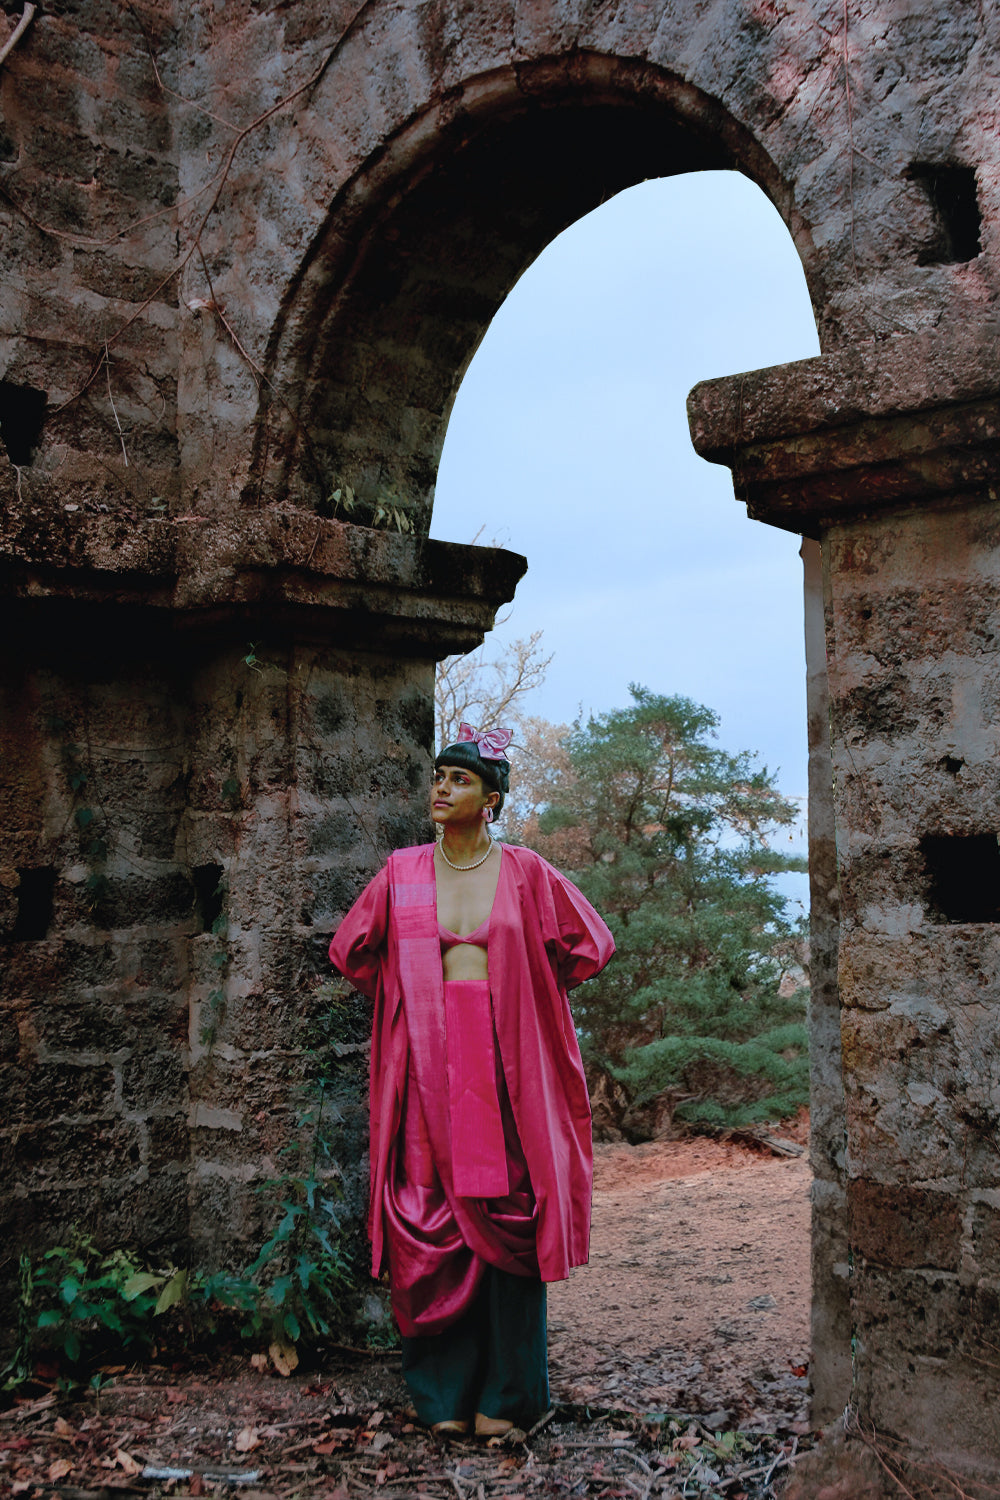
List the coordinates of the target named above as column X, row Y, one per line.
column 478, row 862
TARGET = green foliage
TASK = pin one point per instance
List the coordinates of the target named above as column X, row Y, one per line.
column 669, row 837
column 306, row 1277
column 251, row 659
column 81, row 1302
column 388, row 510
column 734, row 1083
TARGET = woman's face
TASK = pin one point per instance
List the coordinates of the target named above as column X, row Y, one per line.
column 458, row 796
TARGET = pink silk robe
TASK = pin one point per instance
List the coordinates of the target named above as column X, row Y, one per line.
column 544, row 938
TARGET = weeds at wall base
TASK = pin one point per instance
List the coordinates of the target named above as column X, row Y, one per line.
column 81, row 1309
column 80, row 1305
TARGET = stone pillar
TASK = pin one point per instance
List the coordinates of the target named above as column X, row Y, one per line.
column 890, row 455
column 830, row 1363
column 212, row 733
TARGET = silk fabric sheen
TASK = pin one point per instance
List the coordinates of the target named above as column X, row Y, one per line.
column 544, row 938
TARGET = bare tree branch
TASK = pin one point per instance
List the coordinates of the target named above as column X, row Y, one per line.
column 487, row 692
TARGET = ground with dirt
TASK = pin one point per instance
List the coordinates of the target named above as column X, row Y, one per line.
column 697, row 1292
column 690, row 1322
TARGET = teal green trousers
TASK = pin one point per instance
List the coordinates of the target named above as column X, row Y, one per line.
column 493, row 1359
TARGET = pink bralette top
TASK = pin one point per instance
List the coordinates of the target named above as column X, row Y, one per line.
column 479, row 939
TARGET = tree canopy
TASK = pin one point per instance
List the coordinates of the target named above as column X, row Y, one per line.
column 672, row 839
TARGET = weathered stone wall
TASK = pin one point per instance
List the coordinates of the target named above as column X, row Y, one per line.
column 265, row 794
column 341, row 199
column 905, row 505
column 916, row 691
column 89, row 179
column 830, row 1361
column 95, row 959
column 206, row 751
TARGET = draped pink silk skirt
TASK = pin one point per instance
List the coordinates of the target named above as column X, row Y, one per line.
column 433, row 1274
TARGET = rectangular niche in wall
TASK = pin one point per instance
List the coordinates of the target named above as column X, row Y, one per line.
column 954, row 204
column 22, row 414
column 963, row 877
column 34, row 904
column 209, row 895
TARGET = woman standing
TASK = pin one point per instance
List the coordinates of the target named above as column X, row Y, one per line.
column 481, row 1162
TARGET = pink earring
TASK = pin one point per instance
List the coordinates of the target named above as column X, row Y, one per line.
column 488, row 814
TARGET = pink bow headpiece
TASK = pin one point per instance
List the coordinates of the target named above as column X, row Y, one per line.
column 491, row 743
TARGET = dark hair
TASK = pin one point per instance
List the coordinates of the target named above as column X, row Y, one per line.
column 495, row 774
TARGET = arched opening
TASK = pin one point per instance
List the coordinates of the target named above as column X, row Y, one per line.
column 390, row 306
column 568, row 441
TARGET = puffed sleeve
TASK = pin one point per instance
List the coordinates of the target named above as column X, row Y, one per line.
column 359, row 943
column 584, row 943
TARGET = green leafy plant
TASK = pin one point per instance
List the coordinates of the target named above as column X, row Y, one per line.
column 79, row 1301
column 89, row 1299
column 251, row 659
column 18, row 1368
column 388, row 510
column 307, row 1280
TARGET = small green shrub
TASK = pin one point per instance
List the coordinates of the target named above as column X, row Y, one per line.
column 304, row 1285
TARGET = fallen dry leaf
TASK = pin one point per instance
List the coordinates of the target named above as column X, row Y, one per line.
column 331, row 1444
column 126, row 1462
column 63, row 1429
column 247, row 1440
column 59, row 1470
column 284, row 1358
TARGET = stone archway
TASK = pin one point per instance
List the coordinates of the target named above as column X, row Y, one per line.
column 423, row 246
column 379, row 328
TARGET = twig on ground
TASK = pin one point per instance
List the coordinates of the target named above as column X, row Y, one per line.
column 780, row 1461
column 543, row 1421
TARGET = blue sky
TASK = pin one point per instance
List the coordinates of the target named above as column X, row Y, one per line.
column 569, row 443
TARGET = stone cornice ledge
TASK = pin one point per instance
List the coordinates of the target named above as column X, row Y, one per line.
column 343, row 583
column 903, row 421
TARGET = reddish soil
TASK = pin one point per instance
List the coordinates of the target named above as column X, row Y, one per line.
column 696, row 1297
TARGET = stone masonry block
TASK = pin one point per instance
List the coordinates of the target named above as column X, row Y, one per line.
column 154, row 1081
column 168, row 1141
column 903, row 1226
column 985, row 1236
column 62, row 1153
column 55, row 1089
column 228, row 1218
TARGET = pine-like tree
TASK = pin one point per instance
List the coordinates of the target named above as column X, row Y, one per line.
column 668, row 835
